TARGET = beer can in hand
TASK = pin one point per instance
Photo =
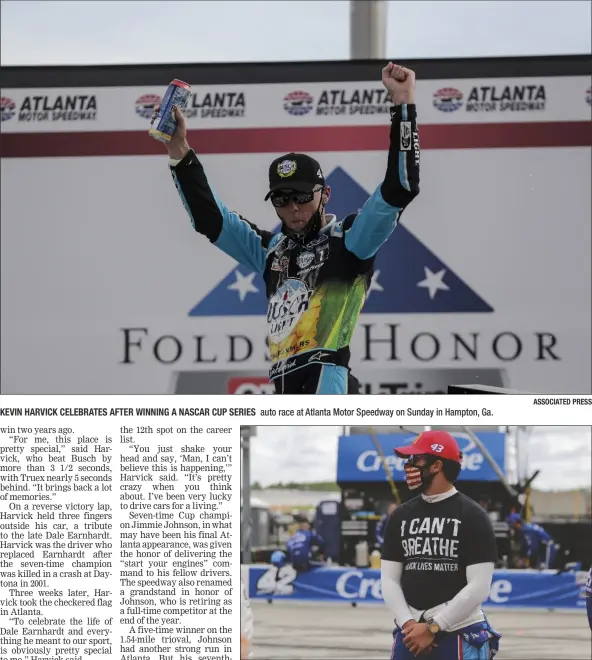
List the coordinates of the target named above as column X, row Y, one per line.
column 164, row 124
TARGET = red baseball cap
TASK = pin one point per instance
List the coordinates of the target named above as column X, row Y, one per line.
column 435, row 443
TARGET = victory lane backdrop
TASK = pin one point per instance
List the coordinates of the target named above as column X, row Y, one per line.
column 131, row 296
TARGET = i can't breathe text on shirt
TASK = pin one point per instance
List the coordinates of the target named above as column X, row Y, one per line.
column 436, row 542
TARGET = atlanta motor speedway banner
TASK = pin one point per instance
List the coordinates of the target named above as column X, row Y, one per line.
column 485, row 280
column 510, row 588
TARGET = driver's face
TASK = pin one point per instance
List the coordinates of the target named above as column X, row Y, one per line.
column 297, row 216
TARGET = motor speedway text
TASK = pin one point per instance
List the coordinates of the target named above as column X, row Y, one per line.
column 378, row 412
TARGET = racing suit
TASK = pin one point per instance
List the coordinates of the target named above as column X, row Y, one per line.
column 316, row 289
column 380, row 529
column 538, row 546
column 299, row 548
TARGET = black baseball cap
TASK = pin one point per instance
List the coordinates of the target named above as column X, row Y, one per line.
column 294, row 172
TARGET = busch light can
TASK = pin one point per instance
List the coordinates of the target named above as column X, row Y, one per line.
column 164, row 124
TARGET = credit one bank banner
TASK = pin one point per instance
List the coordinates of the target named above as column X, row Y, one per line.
column 509, row 588
column 358, row 460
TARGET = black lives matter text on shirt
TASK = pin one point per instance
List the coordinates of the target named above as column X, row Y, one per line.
column 435, row 543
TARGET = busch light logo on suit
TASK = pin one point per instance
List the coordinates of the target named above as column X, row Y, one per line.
column 358, row 460
column 286, row 307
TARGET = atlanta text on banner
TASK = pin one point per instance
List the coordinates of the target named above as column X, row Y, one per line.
column 434, row 312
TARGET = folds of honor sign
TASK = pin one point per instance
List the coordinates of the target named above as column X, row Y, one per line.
column 164, row 125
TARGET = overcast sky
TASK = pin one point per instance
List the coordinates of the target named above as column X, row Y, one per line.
column 283, row 453
column 104, row 32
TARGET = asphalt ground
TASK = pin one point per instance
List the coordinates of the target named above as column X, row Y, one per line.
column 288, row 630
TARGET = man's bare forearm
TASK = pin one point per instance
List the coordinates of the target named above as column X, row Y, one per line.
column 178, row 150
column 403, row 98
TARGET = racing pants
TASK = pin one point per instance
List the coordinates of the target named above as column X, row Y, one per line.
column 547, row 554
column 476, row 642
column 317, row 379
column 542, row 554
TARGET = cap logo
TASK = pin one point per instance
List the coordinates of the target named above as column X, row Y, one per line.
column 286, row 168
column 417, row 439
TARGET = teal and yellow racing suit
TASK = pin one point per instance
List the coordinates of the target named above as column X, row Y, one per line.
column 315, row 289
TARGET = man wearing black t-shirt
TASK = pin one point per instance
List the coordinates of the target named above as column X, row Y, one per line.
column 438, row 558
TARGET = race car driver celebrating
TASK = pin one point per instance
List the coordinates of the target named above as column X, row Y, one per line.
column 438, row 558
column 318, row 268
